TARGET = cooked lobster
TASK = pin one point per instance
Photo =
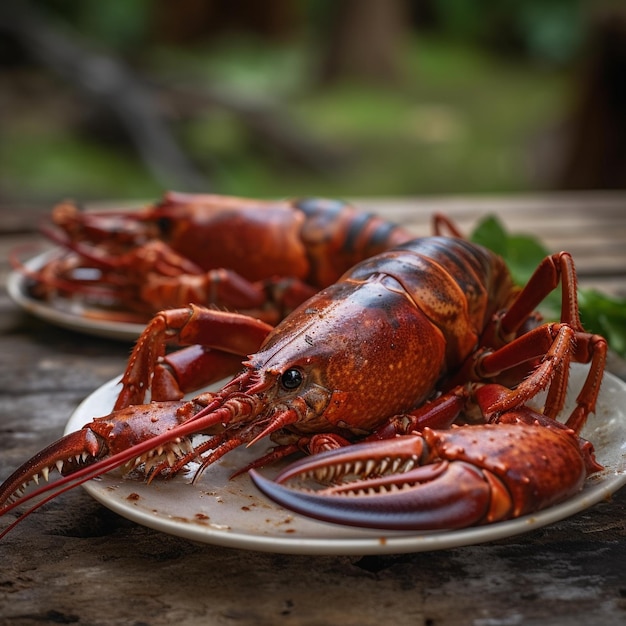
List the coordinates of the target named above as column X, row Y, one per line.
column 408, row 342
column 259, row 257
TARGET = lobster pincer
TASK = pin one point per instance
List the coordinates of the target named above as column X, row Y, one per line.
column 440, row 479
column 117, row 434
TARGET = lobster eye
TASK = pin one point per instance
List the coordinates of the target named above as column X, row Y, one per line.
column 291, row 378
column 164, row 225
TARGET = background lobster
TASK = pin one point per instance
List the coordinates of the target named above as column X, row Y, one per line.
column 259, row 257
column 407, row 340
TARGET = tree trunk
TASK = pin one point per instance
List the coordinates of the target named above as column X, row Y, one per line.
column 365, row 41
column 595, row 144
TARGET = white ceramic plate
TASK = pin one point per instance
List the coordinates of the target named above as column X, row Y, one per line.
column 64, row 312
column 233, row 513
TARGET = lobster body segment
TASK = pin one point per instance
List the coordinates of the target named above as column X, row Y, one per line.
column 407, row 342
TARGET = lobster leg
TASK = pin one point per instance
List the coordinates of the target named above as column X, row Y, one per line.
column 440, row 479
column 169, row 378
column 439, row 413
column 557, row 345
column 548, row 349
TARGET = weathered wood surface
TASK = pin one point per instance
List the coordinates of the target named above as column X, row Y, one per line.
column 75, row 562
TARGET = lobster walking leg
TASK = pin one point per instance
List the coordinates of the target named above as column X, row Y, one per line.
column 548, row 349
column 217, row 343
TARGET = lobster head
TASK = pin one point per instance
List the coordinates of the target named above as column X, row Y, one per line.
column 253, row 238
column 346, row 360
column 166, row 220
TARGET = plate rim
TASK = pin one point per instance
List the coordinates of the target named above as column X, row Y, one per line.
column 373, row 541
column 16, row 289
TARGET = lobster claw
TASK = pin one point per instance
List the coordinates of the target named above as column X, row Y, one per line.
column 67, row 455
column 387, row 488
column 99, row 446
column 440, row 479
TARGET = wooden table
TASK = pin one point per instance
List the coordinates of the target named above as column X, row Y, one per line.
column 75, row 562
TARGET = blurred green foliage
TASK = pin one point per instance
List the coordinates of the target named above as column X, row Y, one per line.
column 462, row 121
column 118, row 25
column 549, row 31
